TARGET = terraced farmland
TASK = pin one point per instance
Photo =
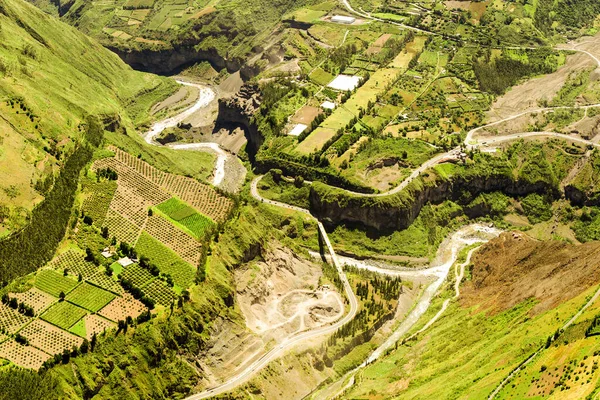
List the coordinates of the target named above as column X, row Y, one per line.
column 35, row 298
column 49, row 338
column 121, row 307
column 182, row 244
column 53, row 282
column 137, row 275
column 186, row 216
column 201, row 196
column 11, row 320
column 92, row 324
column 90, row 297
column 166, row 260
column 158, row 291
column 74, row 262
column 23, row 356
column 64, row 314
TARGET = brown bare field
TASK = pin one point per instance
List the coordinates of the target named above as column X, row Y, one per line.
column 186, row 246
column 122, row 307
column 35, row 298
column 11, row 320
column 50, row 338
column 515, row 267
column 96, row 324
column 305, row 115
column 376, row 47
column 23, row 356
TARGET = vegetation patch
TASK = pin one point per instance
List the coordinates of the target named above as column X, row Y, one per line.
column 54, row 283
column 63, row 314
column 90, row 297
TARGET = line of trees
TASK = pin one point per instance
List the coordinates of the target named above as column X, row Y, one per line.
column 33, row 246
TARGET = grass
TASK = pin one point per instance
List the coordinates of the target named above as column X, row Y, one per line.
column 315, row 140
column 166, row 260
column 90, row 297
column 64, row 314
column 489, row 348
column 53, row 282
column 284, row 191
column 186, row 217
column 79, row 328
column 321, row 77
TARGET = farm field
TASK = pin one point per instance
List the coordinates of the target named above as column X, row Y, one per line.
column 54, row 283
column 167, row 261
column 122, row 307
column 185, row 216
column 63, row 314
column 90, row 297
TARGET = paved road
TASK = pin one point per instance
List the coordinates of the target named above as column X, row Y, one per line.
column 292, row 341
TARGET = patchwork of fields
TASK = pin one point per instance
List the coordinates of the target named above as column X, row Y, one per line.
column 129, row 209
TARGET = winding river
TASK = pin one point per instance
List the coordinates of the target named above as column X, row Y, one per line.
column 205, row 97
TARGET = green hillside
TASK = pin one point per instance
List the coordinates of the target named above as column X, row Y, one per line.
column 51, row 78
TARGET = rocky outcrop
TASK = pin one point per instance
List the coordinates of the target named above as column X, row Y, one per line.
column 397, row 212
column 237, row 111
column 168, row 61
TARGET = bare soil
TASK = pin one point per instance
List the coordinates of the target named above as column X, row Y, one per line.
column 525, row 96
column 515, row 267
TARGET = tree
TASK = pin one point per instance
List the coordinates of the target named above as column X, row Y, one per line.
column 61, row 296
column 85, row 346
column 94, row 341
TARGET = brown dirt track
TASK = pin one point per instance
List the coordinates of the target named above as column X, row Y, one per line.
column 515, row 267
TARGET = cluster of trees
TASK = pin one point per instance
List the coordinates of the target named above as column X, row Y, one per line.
column 24, row 251
column 107, row 173
column 16, row 305
column 498, row 75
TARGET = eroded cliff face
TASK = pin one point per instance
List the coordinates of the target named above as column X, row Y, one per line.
column 237, row 111
column 397, row 212
column 168, row 61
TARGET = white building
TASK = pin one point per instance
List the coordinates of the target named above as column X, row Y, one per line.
column 342, row 19
column 344, row 82
column 329, row 105
column 297, row 130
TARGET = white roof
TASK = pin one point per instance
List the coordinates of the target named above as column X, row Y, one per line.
column 125, row 261
column 107, row 254
column 297, row 130
column 344, row 19
column 344, row 82
column 328, row 104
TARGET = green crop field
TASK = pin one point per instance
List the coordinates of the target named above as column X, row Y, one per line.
column 137, row 275
column 166, row 260
column 184, row 216
column 79, row 328
column 64, row 314
column 90, row 297
column 158, row 291
column 53, row 282
column 321, row 77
